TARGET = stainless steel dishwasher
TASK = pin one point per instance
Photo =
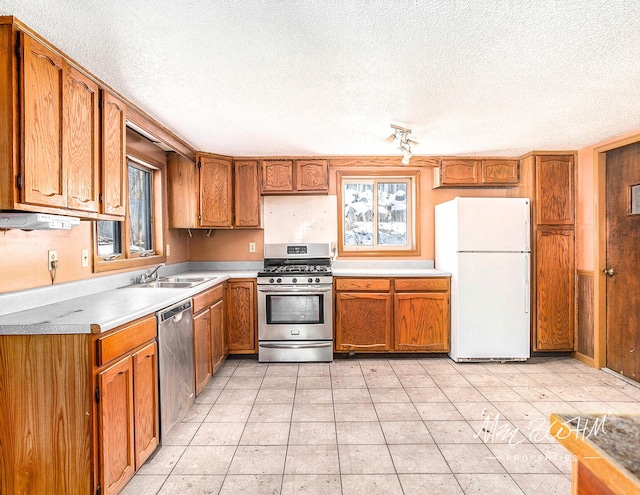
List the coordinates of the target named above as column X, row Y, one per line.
column 175, row 365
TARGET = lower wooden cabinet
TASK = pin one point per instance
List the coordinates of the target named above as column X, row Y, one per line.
column 363, row 322
column 128, row 421
column 554, row 289
column 208, row 334
column 241, row 311
column 392, row 315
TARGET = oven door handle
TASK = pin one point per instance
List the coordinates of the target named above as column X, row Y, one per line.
column 295, row 346
column 287, row 289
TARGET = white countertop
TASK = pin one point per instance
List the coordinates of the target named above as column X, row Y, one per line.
column 377, row 268
column 106, row 310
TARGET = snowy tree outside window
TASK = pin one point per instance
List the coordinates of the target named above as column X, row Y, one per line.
column 377, row 214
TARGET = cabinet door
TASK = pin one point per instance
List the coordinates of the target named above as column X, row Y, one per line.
column 145, row 402
column 202, row 349
column 463, row 172
column 182, row 192
column 241, row 331
column 217, row 336
column 312, row 176
column 81, row 143
column 555, row 276
column 421, row 322
column 116, row 430
column 215, row 192
column 247, row 194
column 45, row 181
column 114, row 163
column 500, row 172
column 363, row 322
column 277, row 176
column 554, row 190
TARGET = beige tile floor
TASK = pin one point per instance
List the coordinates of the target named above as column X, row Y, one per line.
column 381, row 426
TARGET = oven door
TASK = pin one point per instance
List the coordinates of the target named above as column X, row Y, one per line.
column 295, row 313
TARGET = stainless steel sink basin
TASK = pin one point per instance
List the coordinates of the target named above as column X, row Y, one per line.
column 174, row 282
column 161, row 284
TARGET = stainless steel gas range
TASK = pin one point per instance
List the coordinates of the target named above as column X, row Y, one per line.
column 295, row 304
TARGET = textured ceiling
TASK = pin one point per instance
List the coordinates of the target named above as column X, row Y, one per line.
column 309, row 77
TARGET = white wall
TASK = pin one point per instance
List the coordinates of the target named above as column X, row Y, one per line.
column 300, row 219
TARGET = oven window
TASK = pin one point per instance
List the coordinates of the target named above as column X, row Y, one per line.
column 295, row 309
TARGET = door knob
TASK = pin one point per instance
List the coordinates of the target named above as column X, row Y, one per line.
column 608, row 272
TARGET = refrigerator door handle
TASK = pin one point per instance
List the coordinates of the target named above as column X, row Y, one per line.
column 527, row 291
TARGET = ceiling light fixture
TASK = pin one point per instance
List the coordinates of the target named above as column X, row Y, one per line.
column 401, row 135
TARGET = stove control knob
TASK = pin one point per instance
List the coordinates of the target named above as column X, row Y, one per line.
column 294, row 280
column 317, row 281
column 310, row 280
column 279, row 280
column 270, row 280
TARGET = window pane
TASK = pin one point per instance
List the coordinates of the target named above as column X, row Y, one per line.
column 109, row 238
column 358, row 214
column 140, row 210
column 392, row 213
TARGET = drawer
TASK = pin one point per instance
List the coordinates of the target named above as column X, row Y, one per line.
column 207, row 298
column 379, row 284
column 422, row 284
column 126, row 339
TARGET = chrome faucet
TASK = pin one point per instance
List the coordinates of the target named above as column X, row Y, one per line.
column 151, row 276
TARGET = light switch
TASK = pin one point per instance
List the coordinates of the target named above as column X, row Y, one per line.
column 85, row 258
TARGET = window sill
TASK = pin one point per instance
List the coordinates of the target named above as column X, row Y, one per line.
column 101, row 265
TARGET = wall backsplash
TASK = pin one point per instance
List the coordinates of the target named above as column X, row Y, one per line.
column 300, row 219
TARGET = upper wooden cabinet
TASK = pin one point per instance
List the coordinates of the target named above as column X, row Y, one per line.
column 214, row 192
column 294, row 177
column 50, row 133
column 114, row 162
column 246, row 198
column 555, row 195
column 466, row 172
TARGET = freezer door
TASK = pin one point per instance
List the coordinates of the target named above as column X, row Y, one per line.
column 493, row 224
column 491, row 306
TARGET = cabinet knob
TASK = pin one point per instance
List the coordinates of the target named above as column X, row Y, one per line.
column 608, row 272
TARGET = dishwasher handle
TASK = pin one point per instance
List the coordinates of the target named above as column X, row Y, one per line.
column 169, row 313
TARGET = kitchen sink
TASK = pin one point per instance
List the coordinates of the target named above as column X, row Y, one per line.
column 174, row 282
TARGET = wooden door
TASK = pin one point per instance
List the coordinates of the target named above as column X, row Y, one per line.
column 217, row 335
column 247, row 194
column 363, row 322
column 202, row 349
column 421, row 322
column 277, row 176
column 312, row 176
column 182, row 192
column 555, row 199
column 216, row 192
column 145, row 402
column 45, row 181
column 623, row 246
column 555, row 281
column 116, row 430
column 499, row 172
column 81, row 143
column 241, row 324
column 459, row 172
column 114, row 176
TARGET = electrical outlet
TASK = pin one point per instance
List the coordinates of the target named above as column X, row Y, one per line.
column 168, row 250
column 252, row 247
column 52, row 260
column 85, row 258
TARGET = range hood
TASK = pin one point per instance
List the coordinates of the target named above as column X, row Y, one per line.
column 36, row 221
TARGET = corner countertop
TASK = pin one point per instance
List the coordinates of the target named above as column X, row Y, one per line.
column 377, row 268
column 103, row 311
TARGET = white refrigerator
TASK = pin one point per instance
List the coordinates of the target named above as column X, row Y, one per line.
column 485, row 244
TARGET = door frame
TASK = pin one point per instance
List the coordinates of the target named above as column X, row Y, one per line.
column 600, row 248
